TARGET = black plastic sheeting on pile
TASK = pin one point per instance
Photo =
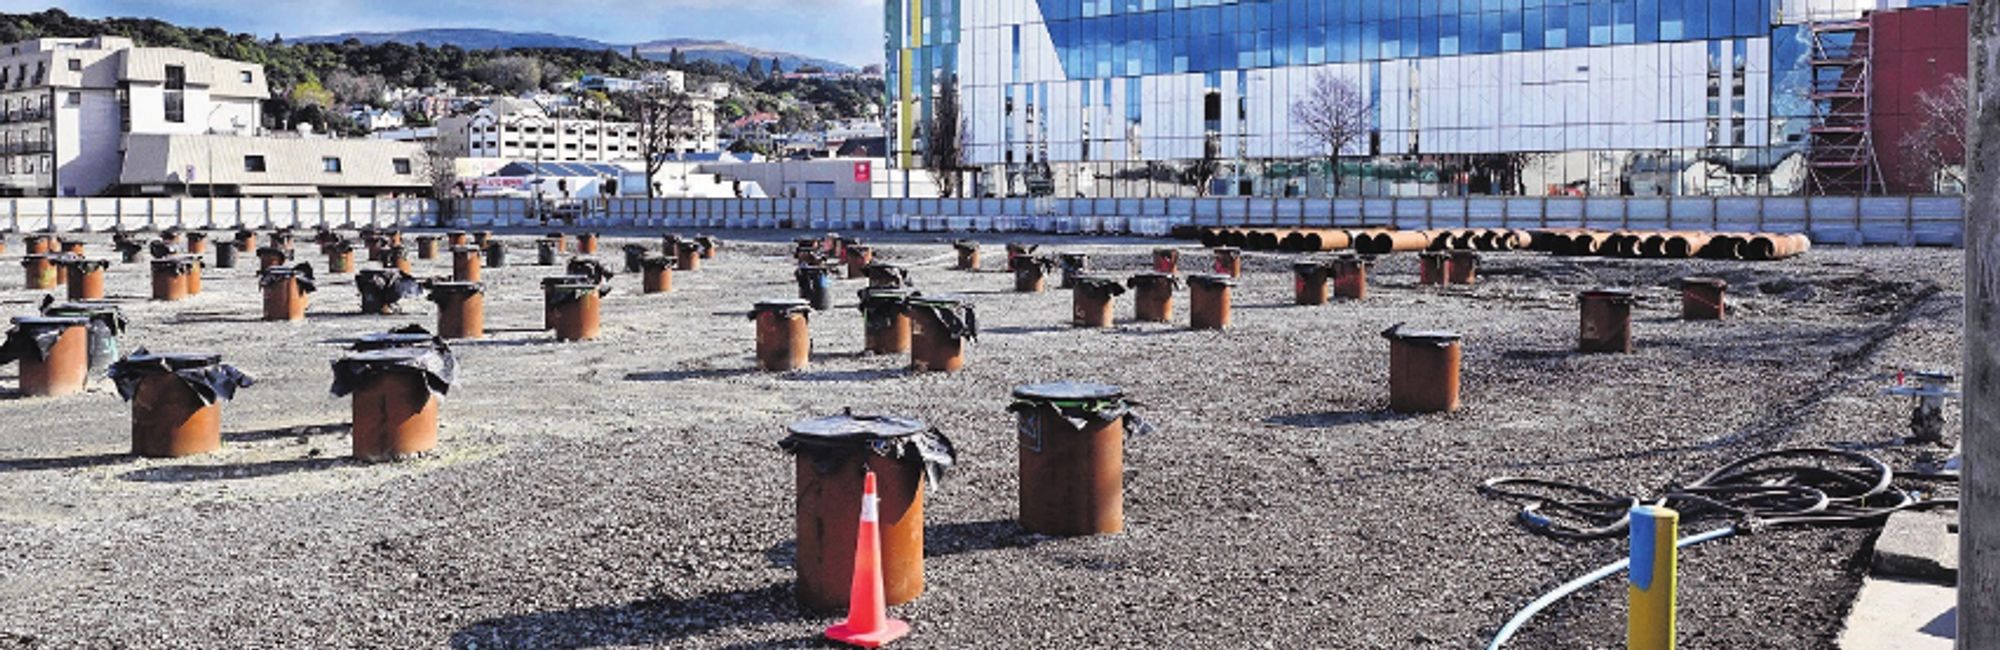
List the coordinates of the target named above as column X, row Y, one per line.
column 1084, row 413
column 437, row 365
column 960, row 321
column 161, row 249
column 1101, row 285
column 82, row 265
column 1143, row 279
column 831, row 442
column 205, row 374
column 881, row 305
column 1021, row 263
column 782, row 308
column 33, row 339
column 589, row 268
column 564, row 294
column 177, row 265
column 101, row 314
column 383, row 287
column 303, row 274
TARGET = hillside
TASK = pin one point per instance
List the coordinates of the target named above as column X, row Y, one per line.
column 693, row 49
column 469, row 39
column 310, row 81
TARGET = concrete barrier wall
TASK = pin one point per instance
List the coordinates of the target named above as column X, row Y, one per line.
column 1918, row 220
column 101, row 215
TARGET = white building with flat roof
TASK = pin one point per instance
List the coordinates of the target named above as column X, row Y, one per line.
column 68, row 104
column 520, row 130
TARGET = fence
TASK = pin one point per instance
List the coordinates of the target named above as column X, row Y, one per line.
column 1903, row 220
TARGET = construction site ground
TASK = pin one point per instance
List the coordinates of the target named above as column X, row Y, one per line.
column 627, row 492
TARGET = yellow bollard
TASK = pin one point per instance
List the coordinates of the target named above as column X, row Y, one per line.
column 1650, row 594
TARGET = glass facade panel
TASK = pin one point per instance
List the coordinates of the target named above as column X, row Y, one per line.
column 1154, row 98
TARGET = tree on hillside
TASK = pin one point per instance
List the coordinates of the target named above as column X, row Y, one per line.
column 944, row 139
column 664, row 119
column 350, row 88
column 757, row 69
column 511, row 74
column 1332, row 116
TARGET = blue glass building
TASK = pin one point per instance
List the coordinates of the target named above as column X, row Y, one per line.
column 1154, row 98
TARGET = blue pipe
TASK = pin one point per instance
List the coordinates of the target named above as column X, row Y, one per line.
column 1520, row 619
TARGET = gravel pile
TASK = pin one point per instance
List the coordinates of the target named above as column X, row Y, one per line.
column 627, row 492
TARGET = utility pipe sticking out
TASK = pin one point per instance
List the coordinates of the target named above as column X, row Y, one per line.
column 940, row 329
column 657, row 274
column 1092, row 300
column 1350, row 276
column 885, row 320
column 54, row 352
column 1423, row 370
column 1702, row 298
column 1462, row 268
column 1606, row 321
column 461, row 309
column 968, row 255
column 1229, row 261
column 784, row 335
column 1209, row 301
column 176, row 401
column 833, row 455
column 1153, row 296
column 1309, row 282
column 1071, row 438
column 287, row 291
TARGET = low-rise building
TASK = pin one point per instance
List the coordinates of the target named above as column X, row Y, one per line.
column 67, row 106
column 159, row 164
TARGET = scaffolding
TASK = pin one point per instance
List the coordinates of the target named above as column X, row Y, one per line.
column 1841, row 155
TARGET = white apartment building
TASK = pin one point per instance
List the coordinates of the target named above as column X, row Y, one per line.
column 520, row 130
column 67, row 105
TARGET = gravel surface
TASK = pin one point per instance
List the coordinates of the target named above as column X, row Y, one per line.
column 627, row 492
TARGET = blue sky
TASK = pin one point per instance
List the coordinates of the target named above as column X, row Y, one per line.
column 849, row 31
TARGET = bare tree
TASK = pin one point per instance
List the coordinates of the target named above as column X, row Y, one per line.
column 944, row 145
column 1333, row 115
column 1938, row 143
column 664, row 119
column 439, row 170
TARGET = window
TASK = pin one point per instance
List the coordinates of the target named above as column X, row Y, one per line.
column 249, row 77
column 330, row 165
column 253, row 163
column 76, row 65
column 176, row 100
column 176, row 77
column 402, row 166
column 73, row 98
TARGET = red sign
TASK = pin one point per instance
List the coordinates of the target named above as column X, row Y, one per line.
column 864, row 172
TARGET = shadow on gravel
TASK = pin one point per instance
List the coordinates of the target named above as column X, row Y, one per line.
column 298, row 432
column 939, row 541
column 868, row 374
column 1334, row 419
column 654, row 621
column 691, row 374
column 1028, row 330
column 199, row 318
column 66, row 462
column 198, row 473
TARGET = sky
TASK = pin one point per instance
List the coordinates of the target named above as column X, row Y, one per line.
column 849, row 31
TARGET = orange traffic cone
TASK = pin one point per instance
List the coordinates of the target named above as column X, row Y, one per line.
column 868, row 624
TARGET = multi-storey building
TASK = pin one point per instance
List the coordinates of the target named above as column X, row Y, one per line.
column 67, row 105
column 520, row 130
column 1142, row 98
